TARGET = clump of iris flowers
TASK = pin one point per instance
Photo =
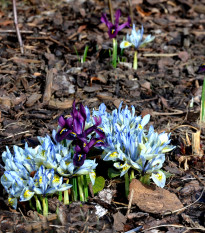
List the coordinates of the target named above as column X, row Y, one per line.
column 131, row 147
column 39, row 171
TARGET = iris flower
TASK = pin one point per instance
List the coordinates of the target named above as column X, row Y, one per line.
column 73, row 128
column 113, row 29
column 44, row 182
column 136, row 39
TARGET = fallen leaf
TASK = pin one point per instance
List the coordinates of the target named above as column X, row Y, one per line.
column 153, row 199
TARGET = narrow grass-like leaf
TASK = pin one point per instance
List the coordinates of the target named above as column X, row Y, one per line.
column 202, row 118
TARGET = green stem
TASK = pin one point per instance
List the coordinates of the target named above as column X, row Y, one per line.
column 145, row 179
column 202, row 115
column 85, row 187
column 38, row 204
column 114, row 55
column 66, row 195
column 74, row 189
column 132, row 175
column 45, row 206
column 126, row 184
column 60, row 196
column 31, row 204
column 80, row 188
column 135, row 65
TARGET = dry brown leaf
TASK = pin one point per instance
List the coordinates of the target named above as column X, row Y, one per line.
column 154, row 199
column 142, row 12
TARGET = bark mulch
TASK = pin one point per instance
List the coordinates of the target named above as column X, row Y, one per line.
column 40, row 85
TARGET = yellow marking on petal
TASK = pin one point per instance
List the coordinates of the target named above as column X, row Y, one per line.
column 114, row 154
column 126, row 43
column 62, row 130
column 113, row 31
column 40, row 179
column 98, row 141
column 5, row 178
column 11, row 201
column 67, row 163
column 56, row 179
column 84, row 144
column 79, row 157
column 125, row 168
column 93, row 174
column 159, row 176
column 101, row 129
column 140, row 127
column 27, row 194
column 74, row 134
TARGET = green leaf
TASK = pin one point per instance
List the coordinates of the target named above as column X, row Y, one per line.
column 99, row 184
column 112, row 172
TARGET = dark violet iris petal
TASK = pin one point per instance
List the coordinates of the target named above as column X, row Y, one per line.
column 97, row 120
column 83, row 112
column 100, row 132
column 61, row 121
column 71, row 136
column 117, row 16
column 78, row 159
column 77, row 125
column 62, row 134
column 113, row 31
column 104, row 19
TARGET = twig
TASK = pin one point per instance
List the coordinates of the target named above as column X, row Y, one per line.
column 174, row 225
column 111, row 11
column 17, row 28
column 131, row 11
column 22, row 214
column 130, row 202
column 179, row 210
column 160, row 54
column 21, row 31
column 200, row 181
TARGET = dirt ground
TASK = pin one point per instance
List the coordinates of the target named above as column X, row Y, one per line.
column 40, row 85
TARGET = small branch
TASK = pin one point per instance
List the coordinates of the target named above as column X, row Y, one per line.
column 17, row 28
column 131, row 11
column 111, row 11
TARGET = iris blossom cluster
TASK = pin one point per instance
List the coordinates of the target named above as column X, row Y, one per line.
column 40, row 170
column 130, row 146
column 136, row 39
column 113, row 29
column 74, row 128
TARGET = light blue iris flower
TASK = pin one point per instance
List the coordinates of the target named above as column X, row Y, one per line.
column 46, row 162
column 136, row 39
column 131, row 146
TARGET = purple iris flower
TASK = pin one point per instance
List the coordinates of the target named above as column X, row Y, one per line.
column 83, row 147
column 113, row 29
column 73, row 128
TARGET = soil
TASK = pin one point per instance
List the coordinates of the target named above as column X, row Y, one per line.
column 40, row 85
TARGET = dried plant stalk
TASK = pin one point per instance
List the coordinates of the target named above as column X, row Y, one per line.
column 17, row 28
